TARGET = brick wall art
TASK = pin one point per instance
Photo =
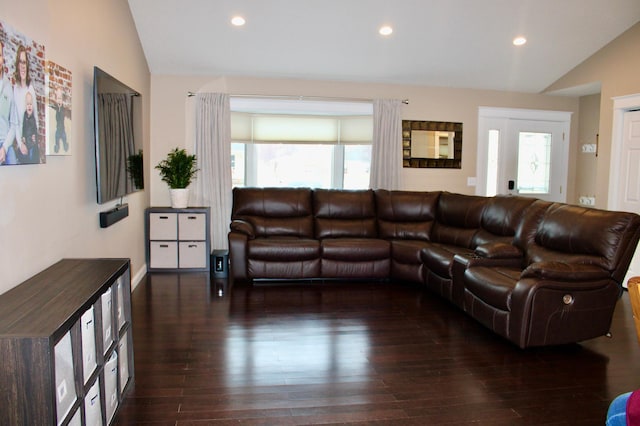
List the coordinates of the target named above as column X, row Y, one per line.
column 59, row 112
column 22, row 98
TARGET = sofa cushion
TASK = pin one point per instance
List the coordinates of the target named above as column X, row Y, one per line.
column 407, row 251
column 579, row 230
column 354, row 249
column 340, row 214
column 461, row 211
column 458, row 219
column 406, row 214
column 283, row 249
column 274, row 211
column 500, row 218
column 438, row 258
column 492, row 285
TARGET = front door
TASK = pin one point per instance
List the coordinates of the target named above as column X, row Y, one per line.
column 534, row 164
column 523, row 156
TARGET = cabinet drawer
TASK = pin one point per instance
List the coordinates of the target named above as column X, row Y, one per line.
column 163, row 254
column 123, row 362
column 191, row 226
column 65, row 377
column 107, row 320
column 163, row 226
column 193, row 254
column 93, row 405
column 88, row 333
column 111, row 385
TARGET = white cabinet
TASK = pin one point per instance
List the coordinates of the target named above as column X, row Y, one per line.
column 178, row 239
column 66, row 344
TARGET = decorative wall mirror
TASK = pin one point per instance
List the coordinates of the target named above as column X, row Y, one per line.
column 431, row 144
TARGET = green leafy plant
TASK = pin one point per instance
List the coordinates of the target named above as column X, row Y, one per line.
column 135, row 168
column 178, row 169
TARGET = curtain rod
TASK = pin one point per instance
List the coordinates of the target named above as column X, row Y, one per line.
column 301, row 98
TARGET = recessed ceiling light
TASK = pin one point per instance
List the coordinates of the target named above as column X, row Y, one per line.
column 519, row 41
column 238, row 21
column 385, row 30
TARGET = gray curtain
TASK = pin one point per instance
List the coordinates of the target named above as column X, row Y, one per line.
column 213, row 151
column 116, row 144
column 386, row 150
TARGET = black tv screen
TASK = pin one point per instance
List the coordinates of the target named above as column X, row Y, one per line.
column 117, row 125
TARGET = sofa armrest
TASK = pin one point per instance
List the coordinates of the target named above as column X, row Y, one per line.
column 243, row 227
column 498, row 250
column 561, row 271
column 461, row 262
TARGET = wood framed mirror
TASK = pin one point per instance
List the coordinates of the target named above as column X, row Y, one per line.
column 431, row 144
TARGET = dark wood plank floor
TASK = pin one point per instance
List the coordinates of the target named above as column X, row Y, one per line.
column 359, row 353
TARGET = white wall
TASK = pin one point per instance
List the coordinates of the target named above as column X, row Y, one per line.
column 49, row 211
column 170, row 126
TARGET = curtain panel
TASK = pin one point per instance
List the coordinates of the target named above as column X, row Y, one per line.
column 213, row 151
column 116, row 131
column 386, row 151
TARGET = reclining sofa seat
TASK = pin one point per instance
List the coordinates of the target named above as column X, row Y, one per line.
column 405, row 219
column 272, row 234
column 345, row 225
column 457, row 223
column 563, row 280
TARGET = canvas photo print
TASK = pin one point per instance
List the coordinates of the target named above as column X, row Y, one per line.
column 22, row 99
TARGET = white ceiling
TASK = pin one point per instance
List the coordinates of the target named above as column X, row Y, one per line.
column 451, row 43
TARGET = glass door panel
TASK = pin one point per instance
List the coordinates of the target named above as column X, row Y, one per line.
column 534, row 163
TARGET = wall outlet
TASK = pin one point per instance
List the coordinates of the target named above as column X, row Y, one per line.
column 587, row 201
column 589, row 148
column 471, row 181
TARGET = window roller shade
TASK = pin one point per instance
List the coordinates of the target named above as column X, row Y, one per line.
column 269, row 128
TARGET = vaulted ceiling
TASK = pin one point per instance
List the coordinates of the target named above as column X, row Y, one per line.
column 450, row 43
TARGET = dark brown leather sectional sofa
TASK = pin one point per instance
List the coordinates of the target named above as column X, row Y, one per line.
column 534, row 272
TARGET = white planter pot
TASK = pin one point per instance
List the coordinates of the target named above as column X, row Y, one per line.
column 179, row 198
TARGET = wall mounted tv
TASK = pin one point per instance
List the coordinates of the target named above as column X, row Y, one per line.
column 117, row 127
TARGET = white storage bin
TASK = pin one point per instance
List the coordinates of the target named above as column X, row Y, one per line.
column 123, row 362
column 65, row 383
column 107, row 308
column 163, row 254
column 88, row 333
column 192, row 226
column 76, row 420
column 111, row 385
column 193, row 254
column 163, row 226
column 93, row 405
column 120, row 316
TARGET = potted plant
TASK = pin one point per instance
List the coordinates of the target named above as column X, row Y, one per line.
column 178, row 170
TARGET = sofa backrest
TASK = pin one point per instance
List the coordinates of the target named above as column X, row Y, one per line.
column 500, row 218
column 275, row 211
column 528, row 224
column 406, row 215
column 458, row 219
column 579, row 234
column 344, row 213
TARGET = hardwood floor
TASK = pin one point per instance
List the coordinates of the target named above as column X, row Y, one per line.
column 359, row 353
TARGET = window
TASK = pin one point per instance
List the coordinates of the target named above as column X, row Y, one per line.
column 534, row 162
column 301, row 143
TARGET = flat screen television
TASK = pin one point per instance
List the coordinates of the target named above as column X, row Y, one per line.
column 117, row 127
